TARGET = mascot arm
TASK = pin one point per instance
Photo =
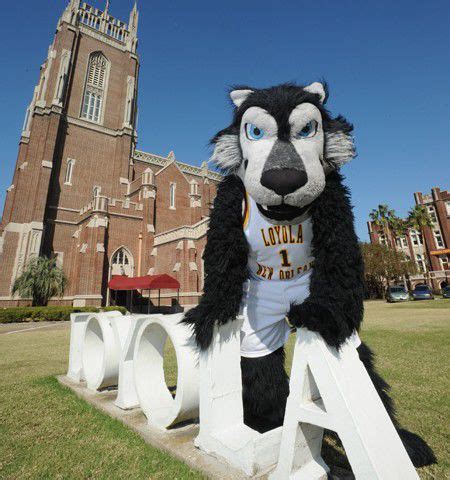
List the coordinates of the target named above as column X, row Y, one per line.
column 225, row 260
column 334, row 307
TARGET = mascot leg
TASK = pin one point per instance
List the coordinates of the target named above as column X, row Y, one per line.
column 419, row 452
column 265, row 388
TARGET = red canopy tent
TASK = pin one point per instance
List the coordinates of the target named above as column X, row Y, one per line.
column 147, row 282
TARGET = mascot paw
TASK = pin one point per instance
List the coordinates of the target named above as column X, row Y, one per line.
column 418, row 450
column 320, row 319
column 202, row 328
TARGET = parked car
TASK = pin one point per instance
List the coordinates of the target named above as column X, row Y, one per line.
column 446, row 292
column 396, row 294
column 422, row 292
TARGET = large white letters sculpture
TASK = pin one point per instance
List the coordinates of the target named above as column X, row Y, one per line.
column 331, row 389
column 109, row 349
column 104, row 337
column 222, row 429
column 328, row 389
column 147, row 351
column 77, row 327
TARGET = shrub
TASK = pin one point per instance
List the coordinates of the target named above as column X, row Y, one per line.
column 41, row 280
column 42, row 314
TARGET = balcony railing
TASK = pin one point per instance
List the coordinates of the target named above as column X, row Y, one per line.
column 107, row 24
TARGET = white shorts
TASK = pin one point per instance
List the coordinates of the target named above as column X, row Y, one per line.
column 264, row 307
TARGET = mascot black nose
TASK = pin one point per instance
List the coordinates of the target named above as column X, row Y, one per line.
column 283, row 180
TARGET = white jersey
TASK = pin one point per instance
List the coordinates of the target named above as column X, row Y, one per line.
column 280, row 264
column 278, row 251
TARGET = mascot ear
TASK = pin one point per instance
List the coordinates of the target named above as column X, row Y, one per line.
column 339, row 144
column 317, row 89
column 239, row 96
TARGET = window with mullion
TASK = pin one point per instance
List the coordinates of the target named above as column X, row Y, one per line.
column 96, row 83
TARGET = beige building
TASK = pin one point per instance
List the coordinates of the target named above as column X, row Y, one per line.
column 430, row 248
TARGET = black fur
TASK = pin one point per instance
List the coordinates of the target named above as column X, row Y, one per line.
column 225, row 257
column 265, row 388
column 418, row 450
column 334, row 307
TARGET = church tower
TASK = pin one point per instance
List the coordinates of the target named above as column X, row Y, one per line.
column 75, row 152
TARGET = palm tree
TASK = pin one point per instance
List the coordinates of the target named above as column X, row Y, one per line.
column 384, row 218
column 41, row 279
column 418, row 219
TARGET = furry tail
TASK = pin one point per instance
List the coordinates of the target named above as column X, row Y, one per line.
column 418, row 450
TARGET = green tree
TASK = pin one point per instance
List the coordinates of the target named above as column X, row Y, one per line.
column 419, row 218
column 399, row 227
column 385, row 218
column 41, row 279
column 383, row 265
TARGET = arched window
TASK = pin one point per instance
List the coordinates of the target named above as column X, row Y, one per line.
column 96, row 191
column 96, row 83
column 122, row 263
column 69, row 171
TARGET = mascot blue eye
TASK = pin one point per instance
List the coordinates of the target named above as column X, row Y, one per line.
column 309, row 130
column 253, row 132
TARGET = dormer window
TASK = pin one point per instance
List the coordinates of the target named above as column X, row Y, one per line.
column 95, row 88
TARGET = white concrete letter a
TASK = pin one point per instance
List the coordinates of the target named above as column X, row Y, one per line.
column 331, row 389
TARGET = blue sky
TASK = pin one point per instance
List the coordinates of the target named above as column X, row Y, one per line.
column 387, row 64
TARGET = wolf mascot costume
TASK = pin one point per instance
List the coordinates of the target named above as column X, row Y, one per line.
column 281, row 244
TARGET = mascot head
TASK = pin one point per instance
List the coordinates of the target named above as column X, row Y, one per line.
column 282, row 144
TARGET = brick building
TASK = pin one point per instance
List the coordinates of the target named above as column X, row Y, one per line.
column 81, row 191
column 429, row 249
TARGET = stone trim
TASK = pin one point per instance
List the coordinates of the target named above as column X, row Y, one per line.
column 28, row 244
column 97, row 222
column 125, row 216
column 193, row 232
column 64, row 222
column 80, row 122
column 111, row 41
column 64, row 209
column 19, row 227
column 153, row 159
column 47, row 164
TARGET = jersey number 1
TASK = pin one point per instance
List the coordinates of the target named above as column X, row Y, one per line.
column 284, row 258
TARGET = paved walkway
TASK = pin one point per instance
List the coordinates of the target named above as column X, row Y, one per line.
column 13, row 328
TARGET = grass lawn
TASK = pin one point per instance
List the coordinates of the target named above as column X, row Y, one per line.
column 47, row 432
